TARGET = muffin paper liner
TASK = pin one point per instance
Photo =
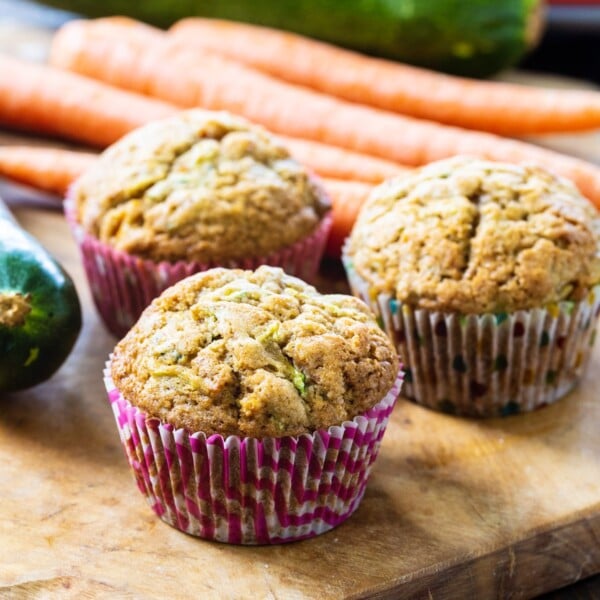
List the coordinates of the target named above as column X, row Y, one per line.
column 490, row 364
column 122, row 284
column 249, row 490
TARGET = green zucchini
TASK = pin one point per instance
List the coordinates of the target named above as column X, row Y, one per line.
column 40, row 314
column 475, row 38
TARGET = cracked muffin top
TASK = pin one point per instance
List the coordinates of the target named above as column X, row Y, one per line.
column 253, row 353
column 473, row 236
column 200, row 186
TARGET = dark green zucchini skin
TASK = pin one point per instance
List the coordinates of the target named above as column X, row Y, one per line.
column 466, row 37
column 30, row 352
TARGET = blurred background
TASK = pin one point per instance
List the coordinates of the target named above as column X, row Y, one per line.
column 570, row 44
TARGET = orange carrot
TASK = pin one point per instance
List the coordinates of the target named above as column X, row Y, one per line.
column 48, row 169
column 47, row 100
column 51, row 101
column 139, row 57
column 53, row 170
column 498, row 107
column 347, row 198
column 331, row 161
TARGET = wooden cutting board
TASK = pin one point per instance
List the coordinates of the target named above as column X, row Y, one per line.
column 455, row 508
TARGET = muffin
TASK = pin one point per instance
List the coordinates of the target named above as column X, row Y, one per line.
column 486, row 276
column 188, row 193
column 250, row 406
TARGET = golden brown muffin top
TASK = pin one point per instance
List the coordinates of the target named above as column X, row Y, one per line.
column 473, row 236
column 253, row 353
column 199, row 186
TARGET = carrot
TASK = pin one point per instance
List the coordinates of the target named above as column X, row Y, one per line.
column 337, row 163
column 54, row 169
column 498, row 107
column 48, row 169
column 47, row 100
column 347, row 198
column 51, row 101
column 139, row 57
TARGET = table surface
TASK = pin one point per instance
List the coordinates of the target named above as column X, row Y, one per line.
column 58, row 442
column 455, row 508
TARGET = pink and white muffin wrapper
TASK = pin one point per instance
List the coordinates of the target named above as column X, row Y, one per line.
column 122, row 284
column 248, row 490
column 491, row 364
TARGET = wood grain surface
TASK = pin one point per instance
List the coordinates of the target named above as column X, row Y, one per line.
column 455, row 508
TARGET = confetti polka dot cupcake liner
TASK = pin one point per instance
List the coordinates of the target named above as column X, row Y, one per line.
column 248, row 490
column 487, row 365
column 122, row 285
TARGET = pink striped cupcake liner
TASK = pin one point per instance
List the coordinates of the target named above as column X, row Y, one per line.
column 487, row 365
column 122, row 284
column 248, row 490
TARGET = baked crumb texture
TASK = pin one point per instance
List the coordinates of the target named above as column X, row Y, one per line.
column 474, row 236
column 200, row 186
column 253, row 353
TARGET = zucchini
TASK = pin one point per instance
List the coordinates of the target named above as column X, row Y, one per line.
column 476, row 38
column 40, row 313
